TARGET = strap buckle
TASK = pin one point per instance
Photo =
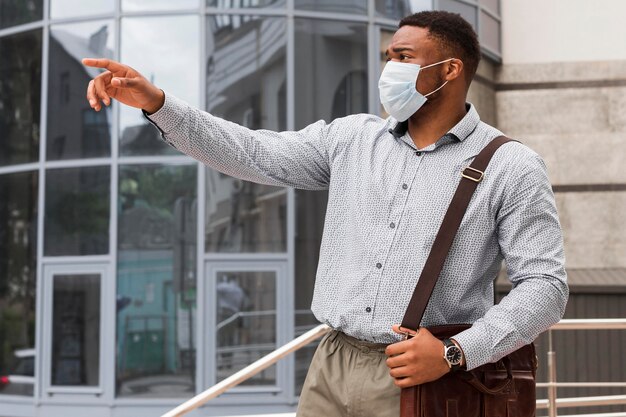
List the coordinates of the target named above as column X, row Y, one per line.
column 407, row 333
column 478, row 179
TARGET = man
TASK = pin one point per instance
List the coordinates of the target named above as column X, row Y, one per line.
column 390, row 182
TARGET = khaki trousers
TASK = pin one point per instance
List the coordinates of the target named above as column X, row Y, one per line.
column 348, row 378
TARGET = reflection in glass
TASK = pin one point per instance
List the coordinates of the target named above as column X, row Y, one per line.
column 156, row 281
column 244, row 4
column 385, row 40
column 333, row 6
column 20, row 97
column 330, row 70
column 492, row 5
column 154, row 5
column 76, row 8
column 489, row 32
column 246, row 84
column 467, row 11
column 77, row 211
column 246, row 322
column 164, row 50
column 76, row 330
column 74, row 129
column 18, row 264
column 17, row 12
column 244, row 217
column 310, row 213
column 397, row 9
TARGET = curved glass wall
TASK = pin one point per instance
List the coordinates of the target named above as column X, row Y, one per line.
column 157, row 276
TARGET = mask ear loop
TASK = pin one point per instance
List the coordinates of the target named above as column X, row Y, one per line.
column 434, row 91
column 437, row 63
column 442, row 85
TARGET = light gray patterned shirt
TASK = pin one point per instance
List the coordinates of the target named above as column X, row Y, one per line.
column 386, row 202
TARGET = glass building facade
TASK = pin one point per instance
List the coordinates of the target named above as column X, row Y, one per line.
column 131, row 276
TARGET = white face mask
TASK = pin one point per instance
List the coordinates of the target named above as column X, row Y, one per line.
column 398, row 93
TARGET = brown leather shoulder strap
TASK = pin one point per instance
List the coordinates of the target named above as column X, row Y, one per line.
column 470, row 178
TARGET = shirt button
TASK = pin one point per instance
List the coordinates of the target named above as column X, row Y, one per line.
column 379, row 265
column 368, row 309
column 404, row 186
column 392, row 225
column 418, row 153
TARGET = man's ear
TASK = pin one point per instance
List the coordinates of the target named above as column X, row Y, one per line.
column 455, row 69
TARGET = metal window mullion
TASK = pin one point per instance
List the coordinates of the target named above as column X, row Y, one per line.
column 201, row 305
column 110, row 283
column 77, row 163
column 290, row 73
column 80, row 19
column 246, row 12
column 160, row 13
column 156, row 159
column 373, row 42
column 12, row 169
column 491, row 13
column 41, row 183
column 21, row 28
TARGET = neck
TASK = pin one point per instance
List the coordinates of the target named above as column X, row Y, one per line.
column 433, row 121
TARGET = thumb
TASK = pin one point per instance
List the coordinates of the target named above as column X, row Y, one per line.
column 403, row 330
column 120, row 82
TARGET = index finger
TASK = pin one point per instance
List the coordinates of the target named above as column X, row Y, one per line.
column 103, row 63
column 397, row 348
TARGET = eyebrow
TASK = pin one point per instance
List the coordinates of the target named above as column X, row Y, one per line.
column 399, row 49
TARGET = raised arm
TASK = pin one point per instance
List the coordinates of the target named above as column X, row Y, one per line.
column 294, row 159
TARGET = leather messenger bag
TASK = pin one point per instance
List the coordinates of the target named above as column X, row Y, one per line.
column 502, row 389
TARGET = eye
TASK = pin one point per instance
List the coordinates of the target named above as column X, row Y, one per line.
column 402, row 56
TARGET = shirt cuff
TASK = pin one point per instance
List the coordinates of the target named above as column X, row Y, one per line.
column 476, row 347
column 169, row 116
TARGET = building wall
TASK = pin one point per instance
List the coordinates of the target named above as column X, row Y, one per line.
column 561, row 90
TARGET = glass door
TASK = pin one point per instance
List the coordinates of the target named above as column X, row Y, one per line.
column 73, row 330
column 247, row 310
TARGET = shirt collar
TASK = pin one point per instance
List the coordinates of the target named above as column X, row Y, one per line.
column 460, row 131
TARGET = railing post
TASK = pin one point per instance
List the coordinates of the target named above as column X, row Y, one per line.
column 552, row 411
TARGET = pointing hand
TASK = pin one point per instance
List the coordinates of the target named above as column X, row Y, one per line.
column 124, row 84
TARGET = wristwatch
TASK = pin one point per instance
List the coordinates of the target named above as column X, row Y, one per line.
column 452, row 354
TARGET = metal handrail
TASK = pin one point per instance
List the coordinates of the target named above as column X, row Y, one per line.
column 249, row 371
column 552, row 403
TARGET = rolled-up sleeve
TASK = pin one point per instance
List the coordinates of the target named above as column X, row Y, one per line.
column 293, row 159
column 530, row 238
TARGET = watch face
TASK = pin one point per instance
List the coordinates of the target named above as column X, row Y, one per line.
column 453, row 355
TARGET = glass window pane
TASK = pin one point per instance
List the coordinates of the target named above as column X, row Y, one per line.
column 18, row 281
column 76, row 8
column 468, row 12
column 492, row 5
column 156, row 281
column 333, row 6
column 146, row 44
column 154, row 5
column 20, row 97
column 77, row 211
column 489, row 32
column 246, row 322
column 17, row 12
column 330, row 70
column 74, row 129
column 76, row 330
column 244, row 4
column 385, row 40
column 242, row 216
column 310, row 214
column 397, row 9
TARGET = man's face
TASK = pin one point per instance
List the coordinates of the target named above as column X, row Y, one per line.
column 411, row 44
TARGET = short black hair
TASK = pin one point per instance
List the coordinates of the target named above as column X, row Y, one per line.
column 453, row 32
